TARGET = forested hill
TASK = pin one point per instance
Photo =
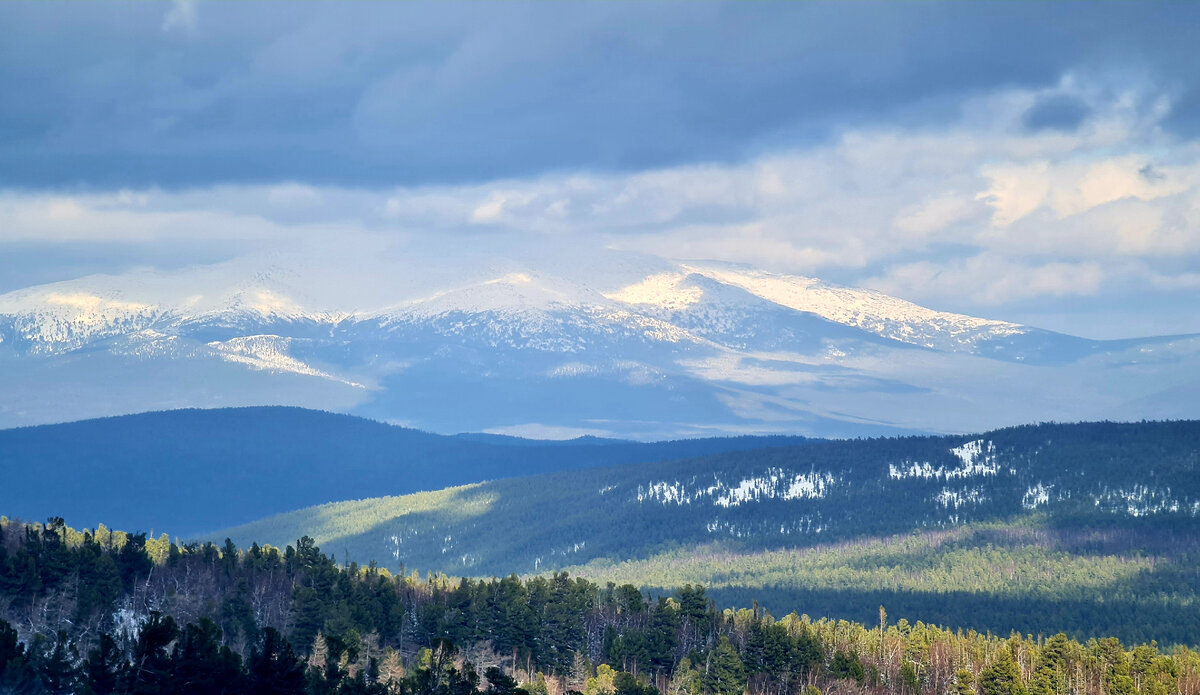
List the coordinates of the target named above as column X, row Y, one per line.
column 1087, row 526
column 195, row 470
column 1098, row 473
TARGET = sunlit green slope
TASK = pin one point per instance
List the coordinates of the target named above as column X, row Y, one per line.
column 1007, row 528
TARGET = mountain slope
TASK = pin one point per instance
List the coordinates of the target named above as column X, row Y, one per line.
column 1096, row 474
column 1092, row 528
column 189, row 471
column 528, row 341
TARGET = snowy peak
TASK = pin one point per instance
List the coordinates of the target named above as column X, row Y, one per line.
column 695, row 297
column 871, row 311
column 512, row 292
column 60, row 319
column 606, row 343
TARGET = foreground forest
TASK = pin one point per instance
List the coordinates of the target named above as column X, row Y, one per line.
column 109, row 612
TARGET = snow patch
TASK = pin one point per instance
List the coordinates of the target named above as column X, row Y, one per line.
column 978, row 459
column 269, row 353
column 1142, row 500
column 1036, row 496
column 954, row 499
column 664, row 291
column 774, row 483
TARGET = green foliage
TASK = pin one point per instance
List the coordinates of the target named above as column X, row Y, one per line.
column 536, row 635
column 964, row 682
column 1002, row 677
column 847, row 666
column 910, row 684
column 727, row 673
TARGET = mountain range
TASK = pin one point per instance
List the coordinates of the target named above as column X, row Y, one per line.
column 558, row 344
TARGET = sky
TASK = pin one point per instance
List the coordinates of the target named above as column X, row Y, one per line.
column 1033, row 162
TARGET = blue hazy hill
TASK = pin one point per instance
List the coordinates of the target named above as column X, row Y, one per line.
column 189, row 471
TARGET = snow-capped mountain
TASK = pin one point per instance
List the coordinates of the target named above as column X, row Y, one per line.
column 609, row 343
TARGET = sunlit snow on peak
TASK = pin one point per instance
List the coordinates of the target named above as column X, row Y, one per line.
column 871, row 311
column 269, row 303
column 91, row 305
column 511, row 279
column 664, row 290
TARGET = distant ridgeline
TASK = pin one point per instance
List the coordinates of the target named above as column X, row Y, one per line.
column 109, row 612
column 193, row 471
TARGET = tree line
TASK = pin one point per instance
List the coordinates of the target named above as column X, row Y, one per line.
column 99, row 611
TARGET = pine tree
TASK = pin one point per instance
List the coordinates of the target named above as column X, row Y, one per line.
column 1002, row 677
column 273, row 668
column 150, row 671
column 55, row 663
column 581, row 670
column 602, row 683
column 686, row 680
column 964, row 682
column 318, row 658
column 17, row 675
column 104, row 667
column 727, row 674
column 909, row 682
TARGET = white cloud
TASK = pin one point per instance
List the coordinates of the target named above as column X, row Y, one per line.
column 1016, row 191
column 984, row 211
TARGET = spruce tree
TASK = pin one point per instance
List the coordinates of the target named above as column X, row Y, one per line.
column 727, row 674
column 1002, row 677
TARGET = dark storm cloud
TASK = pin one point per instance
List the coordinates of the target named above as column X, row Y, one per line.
column 110, row 95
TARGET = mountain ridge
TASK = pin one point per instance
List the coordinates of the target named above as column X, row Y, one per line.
column 615, row 345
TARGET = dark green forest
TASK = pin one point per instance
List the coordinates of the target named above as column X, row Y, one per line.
column 99, row 611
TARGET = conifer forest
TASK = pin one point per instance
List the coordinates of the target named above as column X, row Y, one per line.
column 100, row 611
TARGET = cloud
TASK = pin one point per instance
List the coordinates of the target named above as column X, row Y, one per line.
column 1078, row 185
column 181, row 16
column 376, row 94
column 976, row 214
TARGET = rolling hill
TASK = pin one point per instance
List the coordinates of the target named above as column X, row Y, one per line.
column 189, row 471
